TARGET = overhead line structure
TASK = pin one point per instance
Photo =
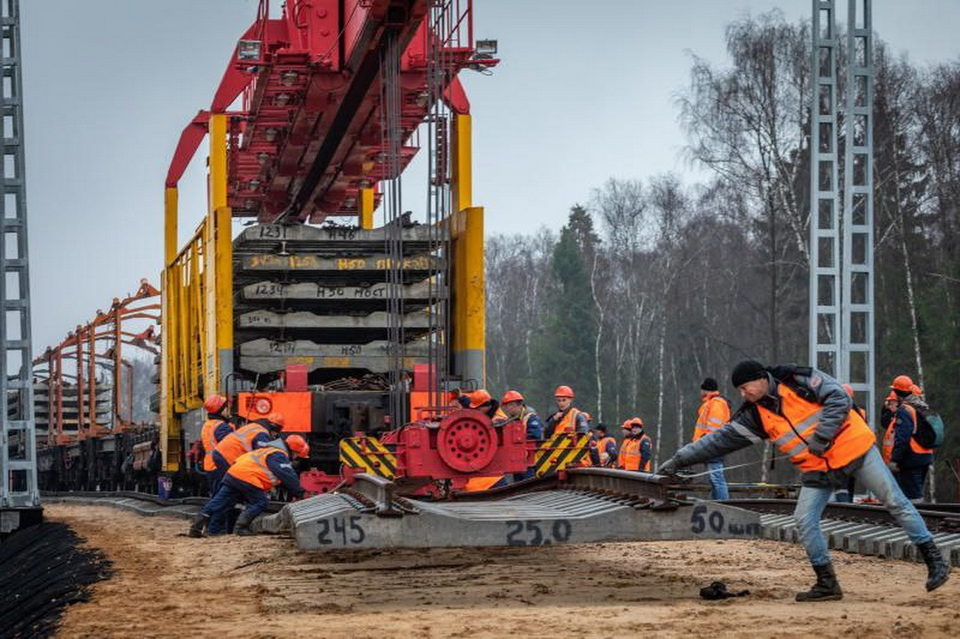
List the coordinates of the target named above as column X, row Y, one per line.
column 825, row 212
column 857, row 361
column 841, row 322
column 18, row 455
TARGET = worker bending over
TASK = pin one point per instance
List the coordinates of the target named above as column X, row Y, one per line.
column 713, row 413
column 248, row 437
column 810, row 418
column 566, row 419
column 214, row 430
column 636, row 449
column 251, row 479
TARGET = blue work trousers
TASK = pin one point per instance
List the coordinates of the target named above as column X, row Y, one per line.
column 718, row 483
column 218, row 522
column 233, row 491
column 911, row 480
column 874, row 476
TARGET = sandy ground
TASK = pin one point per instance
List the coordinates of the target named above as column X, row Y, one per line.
column 168, row 585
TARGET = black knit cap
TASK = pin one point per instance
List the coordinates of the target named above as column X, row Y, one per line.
column 601, row 427
column 747, row 371
column 709, row 384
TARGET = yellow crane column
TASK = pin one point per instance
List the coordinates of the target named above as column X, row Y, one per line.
column 469, row 285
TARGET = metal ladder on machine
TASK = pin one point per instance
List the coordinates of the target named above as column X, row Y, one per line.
column 19, row 494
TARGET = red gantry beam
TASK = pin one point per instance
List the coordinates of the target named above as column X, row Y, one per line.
column 308, row 135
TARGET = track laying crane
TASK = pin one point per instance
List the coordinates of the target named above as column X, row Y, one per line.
column 309, row 309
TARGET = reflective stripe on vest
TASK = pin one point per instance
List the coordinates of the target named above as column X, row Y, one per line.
column 239, row 442
column 712, row 415
column 569, row 422
column 914, row 446
column 629, row 458
column 208, row 438
column 252, row 468
column 889, row 439
column 798, row 421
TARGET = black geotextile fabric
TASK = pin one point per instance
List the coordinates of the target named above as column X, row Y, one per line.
column 42, row 571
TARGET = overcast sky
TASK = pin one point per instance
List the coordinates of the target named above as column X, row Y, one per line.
column 585, row 92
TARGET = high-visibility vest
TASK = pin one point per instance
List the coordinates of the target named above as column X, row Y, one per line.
column 795, row 425
column 890, row 436
column 714, row 412
column 482, row 483
column 252, row 468
column 501, row 417
column 209, row 440
column 568, row 424
column 889, row 439
column 239, row 442
column 629, row 458
column 602, row 448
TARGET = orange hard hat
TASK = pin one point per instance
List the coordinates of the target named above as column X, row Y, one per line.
column 916, row 390
column 479, row 397
column 298, row 445
column 892, row 397
column 849, row 389
column 214, row 403
column 633, row 421
column 563, row 391
column 511, row 396
column 901, row 383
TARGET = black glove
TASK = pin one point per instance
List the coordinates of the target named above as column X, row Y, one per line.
column 818, row 445
column 669, row 467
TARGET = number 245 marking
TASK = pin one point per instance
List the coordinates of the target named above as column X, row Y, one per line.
column 341, row 526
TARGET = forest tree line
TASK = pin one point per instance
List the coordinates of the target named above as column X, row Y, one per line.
column 655, row 283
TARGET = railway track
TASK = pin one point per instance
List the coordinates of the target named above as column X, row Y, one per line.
column 863, row 529
column 140, row 503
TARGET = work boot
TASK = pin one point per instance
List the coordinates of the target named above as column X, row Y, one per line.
column 242, row 526
column 938, row 570
column 199, row 523
column 826, row 589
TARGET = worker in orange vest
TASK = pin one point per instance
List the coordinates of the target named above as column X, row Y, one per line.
column 606, row 447
column 713, row 413
column 248, row 437
column 215, row 428
column 566, row 419
column 513, row 407
column 890, row 405
column 906, row 458
column 636, row 449
column 482, row 401
column 810, row 418
column 250, row 480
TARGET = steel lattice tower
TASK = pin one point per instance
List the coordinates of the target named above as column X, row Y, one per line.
column 841, row 238
column 18, row 479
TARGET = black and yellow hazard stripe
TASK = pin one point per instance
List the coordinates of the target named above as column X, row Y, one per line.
column 369, row 455
column 559, row 452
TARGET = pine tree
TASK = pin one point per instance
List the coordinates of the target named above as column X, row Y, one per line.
column 564, row 353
